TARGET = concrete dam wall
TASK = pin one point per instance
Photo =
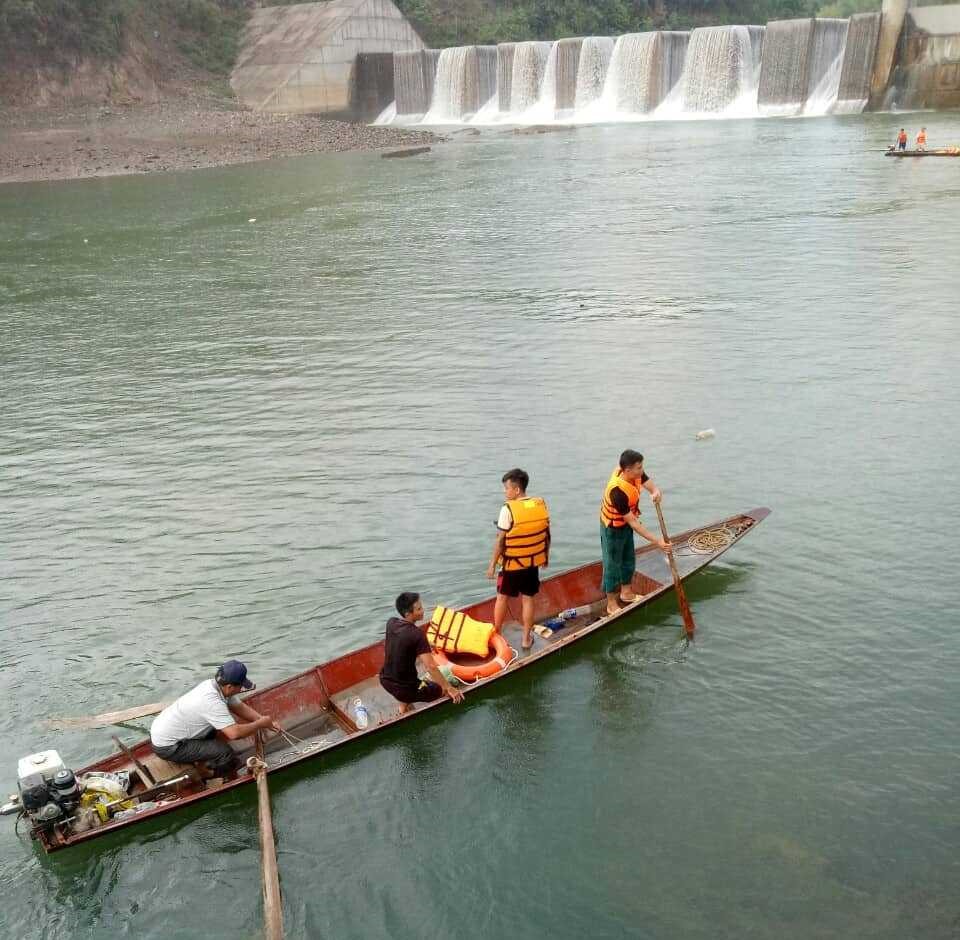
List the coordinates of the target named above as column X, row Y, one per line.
column 319, row 57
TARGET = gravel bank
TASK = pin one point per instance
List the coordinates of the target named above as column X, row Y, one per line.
column 171, row 136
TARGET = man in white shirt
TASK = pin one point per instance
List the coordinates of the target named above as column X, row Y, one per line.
column 186, row 732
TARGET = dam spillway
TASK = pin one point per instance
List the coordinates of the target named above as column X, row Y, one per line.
column 720, row 68
column 789, row 67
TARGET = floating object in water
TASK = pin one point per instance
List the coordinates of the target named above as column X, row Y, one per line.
column 251, row 220
column 706, row 434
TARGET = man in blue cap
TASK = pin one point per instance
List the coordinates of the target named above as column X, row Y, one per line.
column 199, row 726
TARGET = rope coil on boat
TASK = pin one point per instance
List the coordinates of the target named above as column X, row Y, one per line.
column 707, row 542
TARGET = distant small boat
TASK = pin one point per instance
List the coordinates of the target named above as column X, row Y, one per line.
column 315, row 705
column 943, row 152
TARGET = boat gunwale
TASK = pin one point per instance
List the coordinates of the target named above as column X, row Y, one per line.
column 755, row 515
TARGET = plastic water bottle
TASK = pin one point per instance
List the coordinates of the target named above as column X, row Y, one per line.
column 571, row 613
column 706, row 434
column 361, row 717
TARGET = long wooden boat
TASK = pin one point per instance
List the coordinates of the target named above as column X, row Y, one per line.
column 314, row 706
column 942, row 152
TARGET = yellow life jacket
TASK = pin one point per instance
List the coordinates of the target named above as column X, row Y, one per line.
column 454, row 632
column 609, row 515
column 526, row 540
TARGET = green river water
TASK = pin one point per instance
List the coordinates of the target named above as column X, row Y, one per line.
column 226, row 438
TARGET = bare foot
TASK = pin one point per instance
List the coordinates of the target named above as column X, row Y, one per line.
column 613, row 610
column 628, row 597
column 404, row 708
column 527, row 642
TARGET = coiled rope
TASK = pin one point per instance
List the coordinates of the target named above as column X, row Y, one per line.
column 707, row 542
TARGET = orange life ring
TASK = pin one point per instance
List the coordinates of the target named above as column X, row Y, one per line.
column 501, row 658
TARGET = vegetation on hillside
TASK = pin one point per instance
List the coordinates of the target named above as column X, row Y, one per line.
column 458, row 22
column 56, row 32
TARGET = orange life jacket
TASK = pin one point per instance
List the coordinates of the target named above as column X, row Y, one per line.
column 609, row 515
column 921, row 138
column 526, row 540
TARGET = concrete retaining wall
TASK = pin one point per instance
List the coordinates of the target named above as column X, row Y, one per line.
column 302, row 58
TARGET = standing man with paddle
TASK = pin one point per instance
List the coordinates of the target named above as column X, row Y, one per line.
column 199, row 726
column 620, row 518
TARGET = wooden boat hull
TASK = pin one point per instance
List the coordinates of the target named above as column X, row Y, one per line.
column 924, row 153
column 313, row 705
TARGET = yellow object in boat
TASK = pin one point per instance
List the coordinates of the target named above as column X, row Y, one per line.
column 452, row 631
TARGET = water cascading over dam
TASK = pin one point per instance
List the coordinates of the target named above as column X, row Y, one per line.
column 505, row 55
column 785, row 69
column 720, row 68
column 858, row 55
column 826, row 63
column 595, row 56
column 558, row 92
column 466, row 80
column 644, row 67
column 413, row 76
column 529, row 65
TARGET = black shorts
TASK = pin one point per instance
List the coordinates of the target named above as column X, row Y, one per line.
column 426, row 691
column 524, row 581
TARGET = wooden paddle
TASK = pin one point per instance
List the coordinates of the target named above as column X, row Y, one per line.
column 107, row 718
column 272, row 906
column 688, row 623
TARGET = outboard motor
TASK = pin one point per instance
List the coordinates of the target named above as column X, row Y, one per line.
column 49, row 792
column 65, row 790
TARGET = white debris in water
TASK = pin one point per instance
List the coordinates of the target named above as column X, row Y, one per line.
column 251, row 220
column 706, row 435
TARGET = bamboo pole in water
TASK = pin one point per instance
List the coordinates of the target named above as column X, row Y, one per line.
column 272, row 905
column 688, row 623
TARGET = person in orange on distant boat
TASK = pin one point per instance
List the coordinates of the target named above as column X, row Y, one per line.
column 620, row 518
column 922, row 139
column 522, row 548
column 902, row 140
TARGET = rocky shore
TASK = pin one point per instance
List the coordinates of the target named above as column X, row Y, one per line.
column 171, row 135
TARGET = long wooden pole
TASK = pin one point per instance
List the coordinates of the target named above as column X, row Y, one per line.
column 107, row 718
column 688, row 623
column 272, row 905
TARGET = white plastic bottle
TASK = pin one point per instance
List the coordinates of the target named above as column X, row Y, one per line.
column 571, row 613
column 361, row 717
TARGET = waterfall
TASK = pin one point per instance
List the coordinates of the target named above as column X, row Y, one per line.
column 719, row 69
column 388, row 115
column 413, row 75
column 529, row 64
column 486, row 75
column 857, row 63
column 826, row 64
column 644, row 67
column 558, row 91
column 506, row 53
column 568, row 66
column 632, row 77
column 595, row 56
column 466, row 80
column 785, row 69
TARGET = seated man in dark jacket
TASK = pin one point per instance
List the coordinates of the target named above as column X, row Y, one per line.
column 405, row 643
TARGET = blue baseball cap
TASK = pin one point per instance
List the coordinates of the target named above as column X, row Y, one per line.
column 233, row 672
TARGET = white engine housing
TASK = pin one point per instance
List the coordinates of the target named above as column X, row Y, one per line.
column 43, row 762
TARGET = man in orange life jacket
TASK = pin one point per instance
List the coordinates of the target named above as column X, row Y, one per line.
column 922, row 139
column 620, row 518
column 522, row 548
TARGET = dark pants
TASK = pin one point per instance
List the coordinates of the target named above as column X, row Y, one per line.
column 216, row 754
column 425, row 691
